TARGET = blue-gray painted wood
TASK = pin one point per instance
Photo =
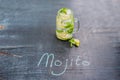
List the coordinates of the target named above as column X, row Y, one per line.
column 31, row 23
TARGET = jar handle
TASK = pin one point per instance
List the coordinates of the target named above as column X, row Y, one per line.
column 76, row 26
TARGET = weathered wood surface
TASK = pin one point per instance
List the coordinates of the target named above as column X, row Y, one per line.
column 30, row 25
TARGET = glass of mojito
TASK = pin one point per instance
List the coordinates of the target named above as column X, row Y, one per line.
column 65, row 24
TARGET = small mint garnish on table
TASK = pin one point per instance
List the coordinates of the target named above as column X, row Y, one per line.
column 75, row 42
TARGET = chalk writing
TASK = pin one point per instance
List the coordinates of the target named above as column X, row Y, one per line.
column 58, row 63
column 58, row 74
column 48, row 56
column 71, row 64
column 85, row 63
column 78, row 60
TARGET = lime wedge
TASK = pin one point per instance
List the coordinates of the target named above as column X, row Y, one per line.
column 75, row 42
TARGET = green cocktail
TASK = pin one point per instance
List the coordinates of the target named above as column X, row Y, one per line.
column 64, row 24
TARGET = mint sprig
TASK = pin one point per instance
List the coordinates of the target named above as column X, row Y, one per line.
column 75, row 42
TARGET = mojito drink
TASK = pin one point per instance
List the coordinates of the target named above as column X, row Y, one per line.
column 64, row 24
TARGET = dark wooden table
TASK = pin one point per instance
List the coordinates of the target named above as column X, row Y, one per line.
column 29, row 31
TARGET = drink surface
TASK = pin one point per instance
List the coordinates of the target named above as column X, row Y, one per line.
column 64, row 24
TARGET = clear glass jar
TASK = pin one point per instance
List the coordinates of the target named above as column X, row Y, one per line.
column 65, row 24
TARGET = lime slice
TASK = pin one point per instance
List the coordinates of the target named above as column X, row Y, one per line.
column 63, row 35
column 75, row 42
